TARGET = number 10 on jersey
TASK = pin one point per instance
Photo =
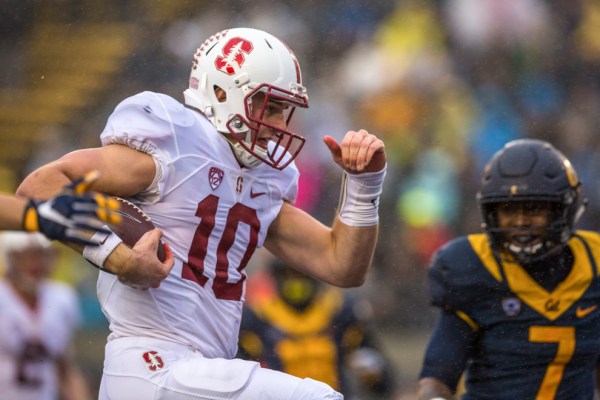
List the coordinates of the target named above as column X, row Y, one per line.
column 194, row 268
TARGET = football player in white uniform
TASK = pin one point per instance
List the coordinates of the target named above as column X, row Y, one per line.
column 217, row 177
column 39, row 318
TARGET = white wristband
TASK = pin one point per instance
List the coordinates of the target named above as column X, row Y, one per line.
column 359, row 199
column 97, row 255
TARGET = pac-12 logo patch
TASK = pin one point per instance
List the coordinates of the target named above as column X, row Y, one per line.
column 511, row 306
column 153, row 360
column 215, row 177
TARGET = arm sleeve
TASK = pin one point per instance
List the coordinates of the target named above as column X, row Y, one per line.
column 448, row 350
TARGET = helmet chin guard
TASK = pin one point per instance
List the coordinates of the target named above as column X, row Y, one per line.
column 243, row 62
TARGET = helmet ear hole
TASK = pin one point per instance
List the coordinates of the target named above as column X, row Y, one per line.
column 220, row 93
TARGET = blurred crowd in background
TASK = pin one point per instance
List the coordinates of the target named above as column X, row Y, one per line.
column 445, row 83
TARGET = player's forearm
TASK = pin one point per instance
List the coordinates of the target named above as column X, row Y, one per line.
column 432, row 388
column 118, row 259
column 354, row 232
column 11, row 212
column 339, row 256
column 44, row 182
column 352, row 253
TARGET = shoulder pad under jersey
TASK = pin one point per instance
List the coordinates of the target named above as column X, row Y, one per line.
column 456, row 275
column 146, row 122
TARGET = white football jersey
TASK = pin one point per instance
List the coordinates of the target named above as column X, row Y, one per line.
column 213, row 213
column 32, row 340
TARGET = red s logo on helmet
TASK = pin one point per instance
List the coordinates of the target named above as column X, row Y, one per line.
column 233, row 55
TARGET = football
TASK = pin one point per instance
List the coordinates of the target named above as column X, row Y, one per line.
column 134, row 223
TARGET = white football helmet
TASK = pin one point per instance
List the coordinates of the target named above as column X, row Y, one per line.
column 243, row 62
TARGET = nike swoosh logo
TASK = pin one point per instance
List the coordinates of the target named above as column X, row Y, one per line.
column 253, row 195
column 582, row 312
column 104, row 240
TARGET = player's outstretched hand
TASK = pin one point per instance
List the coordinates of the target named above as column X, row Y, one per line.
column 143, row 270
column 74, row 215
column 359, row 152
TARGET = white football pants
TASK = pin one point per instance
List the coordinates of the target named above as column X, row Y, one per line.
column 151, row 369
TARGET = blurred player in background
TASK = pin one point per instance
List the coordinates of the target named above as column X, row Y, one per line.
column 519, row 303
column 309, row 329
column 39, row 320
column 217, row 177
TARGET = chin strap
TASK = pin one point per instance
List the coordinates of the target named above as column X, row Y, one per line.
column 580, row 211
column 242, row 155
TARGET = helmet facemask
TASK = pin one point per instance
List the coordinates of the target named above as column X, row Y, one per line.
column 529, row 243
column 283, row 146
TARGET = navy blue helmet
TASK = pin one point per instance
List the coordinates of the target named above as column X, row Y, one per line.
column 533, row 171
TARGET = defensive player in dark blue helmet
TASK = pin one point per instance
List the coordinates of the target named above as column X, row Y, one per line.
column 519, row 303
